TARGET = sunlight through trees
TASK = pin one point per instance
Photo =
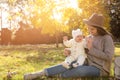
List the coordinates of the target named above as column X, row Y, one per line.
column 52, row 16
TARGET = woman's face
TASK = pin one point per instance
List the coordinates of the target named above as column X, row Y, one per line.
column 92, row 30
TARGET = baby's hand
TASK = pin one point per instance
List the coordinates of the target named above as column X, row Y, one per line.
column 67, row 52
column 65, row 38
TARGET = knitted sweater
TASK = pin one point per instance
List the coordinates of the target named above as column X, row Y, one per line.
column 76, row 48
column 101, row 53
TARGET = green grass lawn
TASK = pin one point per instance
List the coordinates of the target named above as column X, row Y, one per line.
column 29, row 58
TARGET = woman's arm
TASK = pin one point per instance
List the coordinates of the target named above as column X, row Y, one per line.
column 108, row 50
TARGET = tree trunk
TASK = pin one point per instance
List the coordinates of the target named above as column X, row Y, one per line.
column 57, row 40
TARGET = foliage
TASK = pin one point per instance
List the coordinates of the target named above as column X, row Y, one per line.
column 114, row 11
column 94, row 6
column 55, row 16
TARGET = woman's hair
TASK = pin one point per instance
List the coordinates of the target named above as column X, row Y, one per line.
column 101, row 31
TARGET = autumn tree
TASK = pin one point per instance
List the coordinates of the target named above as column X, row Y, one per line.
column 46, row 16
column 88, row 7
column 114, row 11
column 55, row 16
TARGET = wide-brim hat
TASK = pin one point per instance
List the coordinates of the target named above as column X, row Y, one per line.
column 95, row 20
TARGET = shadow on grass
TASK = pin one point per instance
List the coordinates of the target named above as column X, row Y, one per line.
column 82, row 78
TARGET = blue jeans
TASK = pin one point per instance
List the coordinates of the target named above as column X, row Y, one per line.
column 80, row 71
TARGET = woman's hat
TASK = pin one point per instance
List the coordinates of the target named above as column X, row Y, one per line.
column 95, row 20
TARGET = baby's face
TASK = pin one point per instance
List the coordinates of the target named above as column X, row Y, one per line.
column 79, row 38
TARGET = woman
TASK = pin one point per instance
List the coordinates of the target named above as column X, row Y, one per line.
column 100, row 52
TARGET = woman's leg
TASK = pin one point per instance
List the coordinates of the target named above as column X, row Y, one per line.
column 54, row 70
column 81, row 71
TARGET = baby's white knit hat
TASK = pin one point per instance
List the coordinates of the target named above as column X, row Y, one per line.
column 76, row 32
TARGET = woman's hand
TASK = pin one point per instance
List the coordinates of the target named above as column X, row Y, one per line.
column 89, row 42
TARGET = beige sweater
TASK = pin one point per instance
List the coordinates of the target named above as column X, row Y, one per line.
column 101, row 53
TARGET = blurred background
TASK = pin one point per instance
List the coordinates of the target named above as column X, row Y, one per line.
column 47, row 21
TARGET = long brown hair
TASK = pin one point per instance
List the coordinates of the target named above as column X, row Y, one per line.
column 101, row 31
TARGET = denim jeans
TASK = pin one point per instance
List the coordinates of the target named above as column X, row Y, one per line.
column 80, row 71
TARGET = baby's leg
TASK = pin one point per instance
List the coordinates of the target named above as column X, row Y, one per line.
column 68, row 62
column 80, row 61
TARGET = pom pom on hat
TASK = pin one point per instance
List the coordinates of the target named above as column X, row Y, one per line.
column 75, row 33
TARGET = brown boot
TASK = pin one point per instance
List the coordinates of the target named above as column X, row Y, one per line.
column 30, row 76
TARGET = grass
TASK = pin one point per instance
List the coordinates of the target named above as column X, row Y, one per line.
column 29, row 58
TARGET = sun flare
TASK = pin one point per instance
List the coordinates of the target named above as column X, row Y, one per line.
column 57, row 12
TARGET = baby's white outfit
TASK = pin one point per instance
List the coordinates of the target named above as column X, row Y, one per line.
column 77, row 51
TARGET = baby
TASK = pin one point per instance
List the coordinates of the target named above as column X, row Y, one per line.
column 75, row 50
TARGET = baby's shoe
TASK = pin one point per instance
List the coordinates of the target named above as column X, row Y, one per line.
column 75, row 64
column 66, row 65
